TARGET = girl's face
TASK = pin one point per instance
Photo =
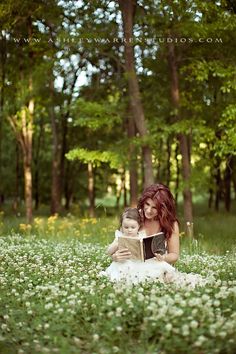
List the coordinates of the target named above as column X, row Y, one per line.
column 150, row 210
column 130, row 227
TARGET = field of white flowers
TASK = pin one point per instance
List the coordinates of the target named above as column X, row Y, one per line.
column 53, row 301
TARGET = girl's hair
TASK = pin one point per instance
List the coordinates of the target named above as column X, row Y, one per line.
column 165, row 205
column 130, row 213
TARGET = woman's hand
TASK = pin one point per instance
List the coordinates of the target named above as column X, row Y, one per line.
column 160, row 258
column 121, row 255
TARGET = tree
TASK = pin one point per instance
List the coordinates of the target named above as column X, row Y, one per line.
column 128, row 10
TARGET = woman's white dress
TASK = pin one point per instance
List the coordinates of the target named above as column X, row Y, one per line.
column 135, row 271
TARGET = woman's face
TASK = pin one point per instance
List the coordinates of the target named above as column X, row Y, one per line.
column 150, row 210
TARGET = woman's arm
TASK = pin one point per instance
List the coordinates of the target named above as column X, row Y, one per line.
column 173, row 247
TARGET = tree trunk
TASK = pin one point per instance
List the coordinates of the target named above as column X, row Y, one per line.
column 2, row 86
column 234, row 174
column 128, row 9
column 210, row 199
column 64, row 128
column 36, row 188
column 177, row 174
column 56, row 177
column 24, row 135
column 67, row 185
column 28, row 188
column 182, row 138
column 26, row 144
column 91, row 190
column 227, row 183
column 186, row 172
column 159, row 172
column 123, row 188
column 36, row 165
column 133, row 168
column 16, row 200
column 168, row 162
column 218, row 185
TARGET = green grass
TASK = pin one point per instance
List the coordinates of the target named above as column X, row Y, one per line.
column 214, row 233
column 52, row 300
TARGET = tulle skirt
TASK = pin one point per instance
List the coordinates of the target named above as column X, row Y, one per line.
column 134, row 272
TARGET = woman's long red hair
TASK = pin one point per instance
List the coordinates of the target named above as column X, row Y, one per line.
column 165, row 204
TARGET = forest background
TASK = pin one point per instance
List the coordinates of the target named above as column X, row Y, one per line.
column 100, row 99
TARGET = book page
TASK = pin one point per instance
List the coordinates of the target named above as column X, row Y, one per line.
column 154, row 244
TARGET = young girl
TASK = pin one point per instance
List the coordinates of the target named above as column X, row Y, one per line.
column 156, row 207
column 130, row 270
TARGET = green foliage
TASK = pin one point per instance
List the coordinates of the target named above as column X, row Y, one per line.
column 96, row 157
column 97, row 115
column 91, row 120
column 227, row 143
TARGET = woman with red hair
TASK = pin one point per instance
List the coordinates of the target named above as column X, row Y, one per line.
column 158, row 213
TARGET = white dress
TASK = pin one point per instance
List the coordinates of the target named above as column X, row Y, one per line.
column 135, row 271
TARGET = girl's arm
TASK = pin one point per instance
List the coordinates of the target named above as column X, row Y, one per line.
column 113, row 247
column 173, row 247
column 118, row 255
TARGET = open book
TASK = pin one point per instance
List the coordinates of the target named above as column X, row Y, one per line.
column 143, row 248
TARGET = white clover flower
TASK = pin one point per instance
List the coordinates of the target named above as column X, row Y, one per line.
column 77, row 341
column 193, row 324
column 115, row 349
column 185, row 330
column 194, row 302
column 48, row 306
column 216, row 303
column 110, row 314
column 96, row 337
column 119, row 328
column 212, row 330
column 119, row 309
column 140, row 297
column 201, row 339
column 205, row 297
column 178, row 312
column 168, row 327
column 222, row 334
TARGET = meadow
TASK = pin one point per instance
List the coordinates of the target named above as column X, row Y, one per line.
column 52, row 299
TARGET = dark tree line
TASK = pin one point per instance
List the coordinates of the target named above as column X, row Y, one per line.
column 157, row 102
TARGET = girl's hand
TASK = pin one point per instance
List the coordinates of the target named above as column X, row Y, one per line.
column 160, row 258
column 121, row 255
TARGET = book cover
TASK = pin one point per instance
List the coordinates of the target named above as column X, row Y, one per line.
column 143, row 248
